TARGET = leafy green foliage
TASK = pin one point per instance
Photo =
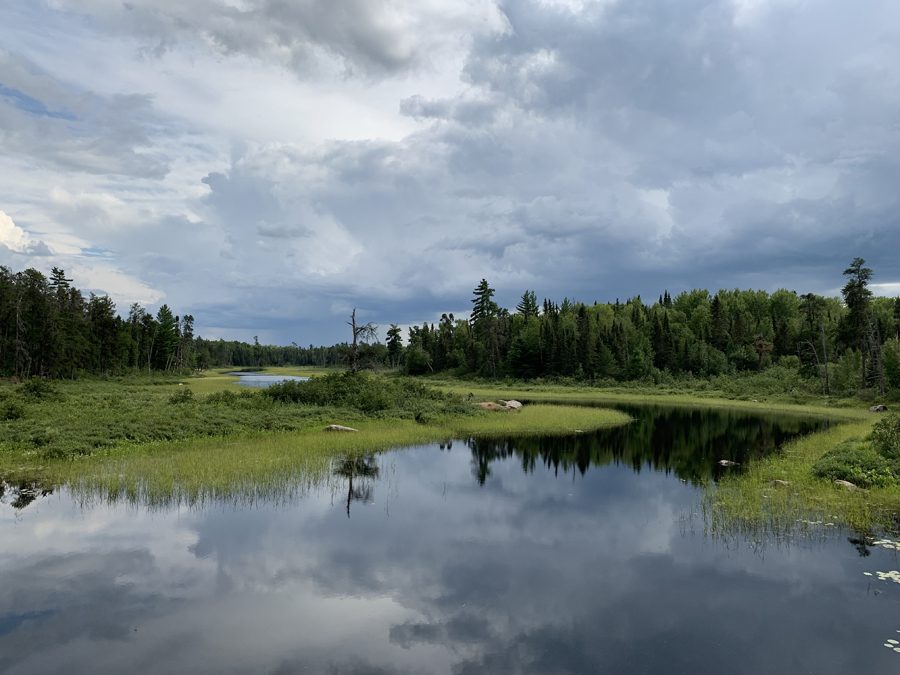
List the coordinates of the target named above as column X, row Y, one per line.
column 372, row 395
column 886, row 436
column 37, row 389
column 93, row 416
column 11, row 410
column 858, row 462
column 182, row 396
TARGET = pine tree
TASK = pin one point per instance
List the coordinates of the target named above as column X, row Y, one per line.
column 528, row 306
column 484, row 307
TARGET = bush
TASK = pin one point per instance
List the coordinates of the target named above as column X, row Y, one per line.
column 39, row 389
column 886, row 436
column 378, row 396
column 857, row 462
column 11, row 410
column 182, row 396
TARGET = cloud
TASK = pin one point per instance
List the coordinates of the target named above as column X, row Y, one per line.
column 595, row 150
column 369, row 38
column 47, row 123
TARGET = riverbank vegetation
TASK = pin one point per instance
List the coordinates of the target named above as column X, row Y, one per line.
column 793, row 492
column 161, row 433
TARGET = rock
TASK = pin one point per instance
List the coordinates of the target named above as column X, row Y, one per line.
column 515, row 405
column 777, row 482
column 338, row 427
column 493, row 407
column 847, row 484
column 727, row 462
column 878, row 408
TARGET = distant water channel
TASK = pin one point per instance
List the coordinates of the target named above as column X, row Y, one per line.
column 583, row 554
column 263, row 380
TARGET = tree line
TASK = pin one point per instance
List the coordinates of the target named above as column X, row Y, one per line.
column 48, row 328
column 846, row 344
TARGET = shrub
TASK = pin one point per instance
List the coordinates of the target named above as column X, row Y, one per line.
column 40, row 390
column 182, row 396
column 11, row 410
column 856, row 462
column 370, row 394
column 886, row 436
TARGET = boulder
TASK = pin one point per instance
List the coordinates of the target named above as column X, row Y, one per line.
column 515, row 405
column 846, row 484
column 338, row 427
column 878, row 408
column 493, row 407
column 727, row 462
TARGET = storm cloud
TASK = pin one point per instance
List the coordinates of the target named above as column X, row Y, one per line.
column 269, row 166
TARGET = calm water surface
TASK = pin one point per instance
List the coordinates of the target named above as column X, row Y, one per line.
column 262, row 380
column 572, row 555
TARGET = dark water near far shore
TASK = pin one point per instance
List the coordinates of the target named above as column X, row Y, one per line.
column 582, row 554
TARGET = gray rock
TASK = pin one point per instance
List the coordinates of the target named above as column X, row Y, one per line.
column 846, row 484
column 727, row 462
column 878, row 408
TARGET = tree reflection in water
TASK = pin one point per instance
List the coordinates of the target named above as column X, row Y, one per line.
column 688, row 442
column 364, row 471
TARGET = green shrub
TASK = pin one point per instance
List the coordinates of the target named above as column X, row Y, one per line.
column 182, row 396
column 886, row 436
column 373, row 395
column 39, row 389
column 11, row 410
column 857, row 462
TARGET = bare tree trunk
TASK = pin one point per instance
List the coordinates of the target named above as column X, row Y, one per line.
column 818, row 363
column 825, row 354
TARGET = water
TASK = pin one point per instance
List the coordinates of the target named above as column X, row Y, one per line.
column 572, row 555
column 262, row 380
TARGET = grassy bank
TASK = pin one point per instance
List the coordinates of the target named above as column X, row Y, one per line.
column 266, row 466
column 194, row 438
column 840, row 410
column 753, row 504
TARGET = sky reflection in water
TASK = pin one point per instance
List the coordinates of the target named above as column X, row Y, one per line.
column 451, row 561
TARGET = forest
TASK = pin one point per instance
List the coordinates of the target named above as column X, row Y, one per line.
column 840, row 346
column 49, row 329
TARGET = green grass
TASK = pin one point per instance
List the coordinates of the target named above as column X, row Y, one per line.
column 279, row 466
column 749, row 505
column 575, row 394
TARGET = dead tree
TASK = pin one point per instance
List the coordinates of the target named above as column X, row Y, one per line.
column 361, row 334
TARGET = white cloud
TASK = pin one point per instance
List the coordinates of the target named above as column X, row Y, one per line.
column 11, row 235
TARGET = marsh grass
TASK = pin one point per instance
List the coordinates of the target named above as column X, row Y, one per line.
column 750, row 506
column 277, row 467
column 96, row 418
column 841, row 411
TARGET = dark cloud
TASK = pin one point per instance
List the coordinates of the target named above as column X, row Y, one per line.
column 368, row 38
column 618, row 149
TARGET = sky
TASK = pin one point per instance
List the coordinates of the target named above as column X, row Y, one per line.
column 268, row 165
